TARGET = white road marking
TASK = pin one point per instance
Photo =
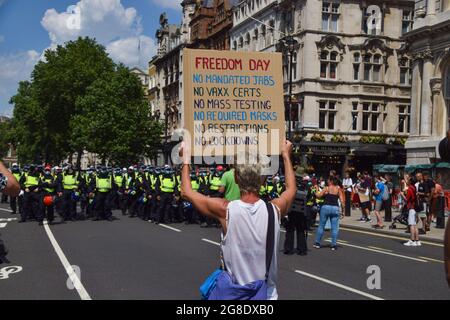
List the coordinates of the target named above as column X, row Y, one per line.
column 431, row 259
column 378, row 248
column 7, row 210
column 212, row 242
column 168, row 227
column 364, row 294
column 8, row 219
column 84, row 295
column 2, row 225
column 388, row 236
column 380, row 251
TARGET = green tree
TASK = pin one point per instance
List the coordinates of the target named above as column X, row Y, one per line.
column 58, row 81
column 115, row 121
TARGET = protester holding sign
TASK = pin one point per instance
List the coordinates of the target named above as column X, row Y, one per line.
column 245, row 221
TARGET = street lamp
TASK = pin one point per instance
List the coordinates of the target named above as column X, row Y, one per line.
column 291, row 45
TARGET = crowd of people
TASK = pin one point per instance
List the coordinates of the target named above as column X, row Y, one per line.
column 153, row 194
column 148, row 192
column 417, row 198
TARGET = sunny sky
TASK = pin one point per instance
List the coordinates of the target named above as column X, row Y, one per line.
column 28, row 28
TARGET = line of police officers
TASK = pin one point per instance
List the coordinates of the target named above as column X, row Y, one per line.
column 151, row 193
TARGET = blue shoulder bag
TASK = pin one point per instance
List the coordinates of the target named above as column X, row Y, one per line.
column 220, row 286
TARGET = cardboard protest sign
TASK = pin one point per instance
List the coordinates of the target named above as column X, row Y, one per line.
column 233, row 100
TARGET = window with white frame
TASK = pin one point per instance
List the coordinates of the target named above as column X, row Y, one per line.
column 356, row 65
column 241, row 42
column 330, row 16
column 407, row 21
column 327, row 115
column 373, row 64
column 328, row 64
column 371, row 115
column 404, row 112
column 405, row 71
column 234, row 45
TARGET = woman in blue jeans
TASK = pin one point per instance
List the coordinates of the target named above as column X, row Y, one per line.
column 331, row 209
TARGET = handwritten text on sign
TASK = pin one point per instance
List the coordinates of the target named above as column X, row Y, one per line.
column 233, row 99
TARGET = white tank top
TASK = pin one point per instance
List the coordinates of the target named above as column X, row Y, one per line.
column 244, row 245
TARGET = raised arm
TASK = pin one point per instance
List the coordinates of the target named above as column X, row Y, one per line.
column 210, row 207
column 285, row 200
column 12, row 188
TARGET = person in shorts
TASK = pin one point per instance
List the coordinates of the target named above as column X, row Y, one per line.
column 411, row 201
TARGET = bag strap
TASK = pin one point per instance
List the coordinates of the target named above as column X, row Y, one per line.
column 270, row 237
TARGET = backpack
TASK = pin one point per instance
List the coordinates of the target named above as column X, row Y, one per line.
column 385, row 196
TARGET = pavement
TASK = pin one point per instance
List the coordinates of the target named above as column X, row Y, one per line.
column 435, row 234
column 132, row 259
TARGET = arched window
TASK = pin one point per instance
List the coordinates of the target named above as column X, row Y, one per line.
column 328, row 64
column 241, row 42
column 234, row 45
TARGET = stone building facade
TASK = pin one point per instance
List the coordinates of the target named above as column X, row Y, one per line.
column 429, row 45
column 351, row 74
column 168, row 63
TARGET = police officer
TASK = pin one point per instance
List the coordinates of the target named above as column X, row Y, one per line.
column 31, row 199
column 16, row 201
column 166, row 189
column 84, row 194
column 191, row 213
column 132, row 194
column 154, row 190
column 143, row 191
column 102, row 186
column 68, row 186
column 127, row 185
column 178, row 201
column 48, row 187
column 118, row 180
column 215, row 182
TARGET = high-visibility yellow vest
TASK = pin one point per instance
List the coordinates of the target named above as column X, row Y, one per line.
column 262, row 190
column 17, row 176
column 48, row 180
column 214, row 183
column 279, row 188
column 31, row 181
column 179, row 182
column 103, row 184
column 69, row 181
column 195, row 185
column 127, row 182
column 319, row 200
column 153, row 180
column 118, row 180
column 269, row 187
column 167, row 184
column 310, row 202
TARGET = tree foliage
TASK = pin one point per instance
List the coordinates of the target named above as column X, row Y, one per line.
column 78, row 99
